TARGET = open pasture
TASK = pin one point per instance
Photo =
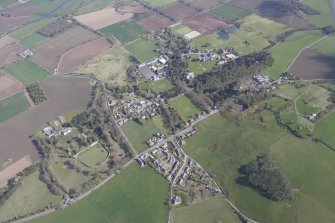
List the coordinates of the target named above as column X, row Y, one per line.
column 12, row 106
column 324, row 7
column 184, row 106
column 9, row 86
column 48, row 52
column 20, row 10
column 135, row 195
column 81, row 54
column 9, row 54
column 312, row 65
column 102, row 18
column 142, row 49
column 215, row 209
column 203, row 4
column 6, row 24
column 179, row 12
column 326, row 46
column 109, row 67
column 155, row 22
column 228, row 12
column 93, row 156
column 325, row 130
column 32, row 40
column 27, row 72
column 205, row 23
column 160, row 3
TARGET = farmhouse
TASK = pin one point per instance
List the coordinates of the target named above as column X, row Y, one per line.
column 176, row 200
column 26, row 54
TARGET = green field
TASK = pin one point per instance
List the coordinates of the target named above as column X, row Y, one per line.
column 157, row 86
column 138, row 134
column 136, row 195
column 325, row 130
column 252, row 36
column 228, row 12
column 31, row 195
column 27, row 72
column 215, row 209
column 13, row 106
column 323, row 6
column 94, row 5
column 93, row 156
column 184, row 106
column 32, row 40
column 160, row 3
column 125, row 31
column 201, row 67
column 30, row 29
column 142, row 49
column 181, row 29
column 326, row 46
column 285, row 52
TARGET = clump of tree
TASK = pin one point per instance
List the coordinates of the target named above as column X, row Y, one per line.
column 172, row 119
column 36, row 93
column 264, row 175
column 60, row 25
column 328, row 30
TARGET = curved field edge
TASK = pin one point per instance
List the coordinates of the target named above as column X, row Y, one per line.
column 136, row 195
column 222, row 145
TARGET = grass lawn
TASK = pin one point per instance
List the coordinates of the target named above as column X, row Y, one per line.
column 252, row 36
column 184, row 106
column 27, row 72
column 325, row 130
column 228, row 12
column 109, row 67
column 323, row 6
column 139, row 134
column 201, row 67
column 71, row 114
column 142, row 49
column 66, row 177
column 182, row 29
column 125, row 31
column 285, row 52
column 31, row 195
column 157, row 86
column 136, row 195
column 160, row 3
column 32, row 40
column 13, row 106
column 215, row 209
column 326, row 46
column 93, row 156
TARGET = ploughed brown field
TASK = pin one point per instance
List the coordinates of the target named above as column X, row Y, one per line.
column 251, row 6
column 6, row 40
column 64, row 94
column 20, row 10
column 9, row 86
column 312, row 65
column 155, row 22
column 205, row 23
column 180, row 11
column 48, row 53
column 203, row 4
column 9, row 54
column 79, row 55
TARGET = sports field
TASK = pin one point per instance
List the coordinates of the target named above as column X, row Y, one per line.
column 27, row 72
column 157, row 86
column 93, row 156
column 160, row 3
column 125, row 31
column 136, row 195
column 142, row 49
column 13, row 106
column 138, row 134
column 285, row 52
column 215, row 209
column 30, row 196
column 326, row 46
column 325, row 130
column 184, row 106
column 228, row 12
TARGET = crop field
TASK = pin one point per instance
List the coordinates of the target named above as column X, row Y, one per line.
column 312, row 65
column 160, row 3
column 285, row 52
column 9, row 86
column 48, row 52
column 155, row 22
column 205, row 23
column 30, row 196
column 228, row 12
column 125, row 31
column 203, row 4
column 252, row 36
column 138, row 134
column 27, row 72
column 94, row 156
column 184, row 107
column 179, row 11
column 6, row 40
column 81, row 54
column 13, row 106
column 326, row 46
column 158, row 86
column 135, row 195
column 7, row 24
column 102, row 18
column 181, row 29
column 93, row 6
column 10, row 55
column 109, row 67
column 215, row 209
column 325, row 130
column 66, row 177
column 33, row 40
column 326, row 16
column 142, row 49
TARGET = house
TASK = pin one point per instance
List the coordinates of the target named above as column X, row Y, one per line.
column 162, row 60
column 176, row 200
column 27, row 53
column 231, row 56
column 312, row 117
column 189, row 75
